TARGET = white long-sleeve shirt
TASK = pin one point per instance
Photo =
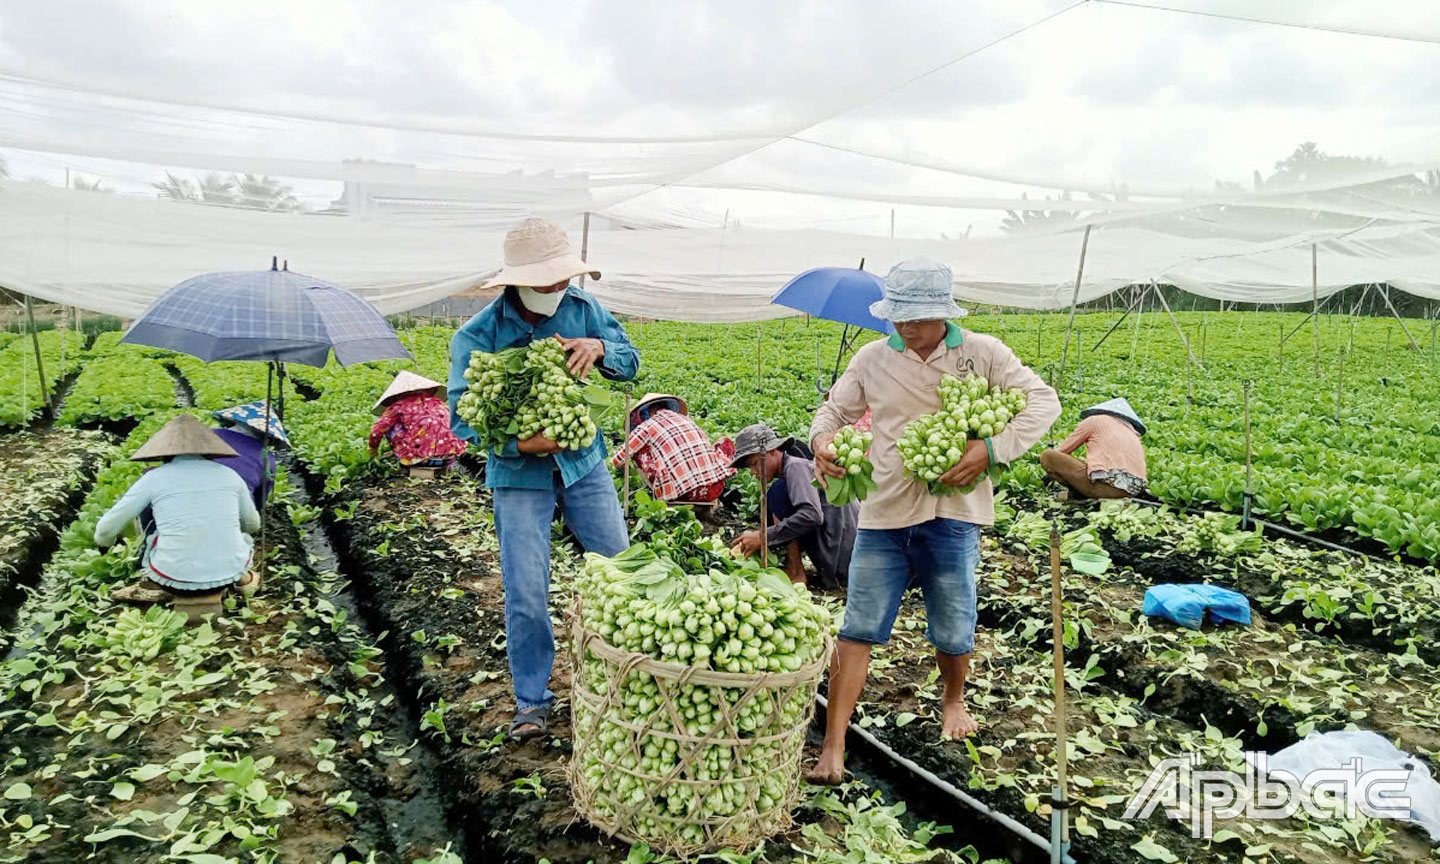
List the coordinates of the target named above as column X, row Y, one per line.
column 203, row 512
column 898, row 386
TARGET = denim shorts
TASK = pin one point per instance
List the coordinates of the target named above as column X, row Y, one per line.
column 940, row 557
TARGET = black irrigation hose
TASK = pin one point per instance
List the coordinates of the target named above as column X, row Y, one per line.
column 950, row 789
column 1279, row 529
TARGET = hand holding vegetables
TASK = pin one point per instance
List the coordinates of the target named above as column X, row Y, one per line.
column 936, row 448
column 530, row 394
column 848, row 449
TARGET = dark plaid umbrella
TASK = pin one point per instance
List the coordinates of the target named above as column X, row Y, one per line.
column 268, row 315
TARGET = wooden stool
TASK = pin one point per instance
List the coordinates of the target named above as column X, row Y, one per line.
column 426, row 472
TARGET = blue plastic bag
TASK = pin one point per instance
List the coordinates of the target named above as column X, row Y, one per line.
column 1188, row 605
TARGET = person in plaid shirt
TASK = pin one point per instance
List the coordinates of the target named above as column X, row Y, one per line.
column 674, row 453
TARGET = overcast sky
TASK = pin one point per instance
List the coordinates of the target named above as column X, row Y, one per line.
column 1096, row 96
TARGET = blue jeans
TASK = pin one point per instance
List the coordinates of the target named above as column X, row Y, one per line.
column 940, row 557
column 522, row 521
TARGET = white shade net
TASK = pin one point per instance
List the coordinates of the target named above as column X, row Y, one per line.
column 722, row 150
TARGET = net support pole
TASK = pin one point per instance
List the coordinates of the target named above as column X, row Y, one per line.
column 1173, row 320
column 1385, row 292
column 39, row 361
column 764, row 509
column 1074, row 299
column 1129, row 305
column 1315, row 302
column 1249, row 467
column 759, row 355
column 585, row 245
column 1059, row 813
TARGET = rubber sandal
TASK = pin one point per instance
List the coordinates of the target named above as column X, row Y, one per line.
column 248, row 584
column 536, row 717
column 139, row 594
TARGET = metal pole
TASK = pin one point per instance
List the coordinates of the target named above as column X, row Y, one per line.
column 265, row 466
column 892, row 223
column 1315, row 302
column 1249, row 470
column 39, row 361
column 1074, row 298
column 625, row 506
column 585, row 245
column 1059, row 816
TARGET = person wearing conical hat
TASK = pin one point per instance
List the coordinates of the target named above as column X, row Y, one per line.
column 674, row 454
column 203, row 518
column 246, row 430
column 529, row 478
column 416, row 422
column 1114, row 463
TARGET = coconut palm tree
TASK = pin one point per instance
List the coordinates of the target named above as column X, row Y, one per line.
column 86, row 184
column 263, row 192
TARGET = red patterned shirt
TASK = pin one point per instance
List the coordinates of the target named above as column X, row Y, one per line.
column 675, row 455
column 418, row 428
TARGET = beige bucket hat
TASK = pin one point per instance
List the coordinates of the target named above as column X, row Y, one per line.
column 406, row 382
column 538, row 254
column 183, row 436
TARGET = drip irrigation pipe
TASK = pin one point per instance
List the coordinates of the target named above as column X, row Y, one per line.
column 940, row 785
column 1271, row 526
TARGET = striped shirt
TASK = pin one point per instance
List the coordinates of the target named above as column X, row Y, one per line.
column 1110, row 444
column 675, row 455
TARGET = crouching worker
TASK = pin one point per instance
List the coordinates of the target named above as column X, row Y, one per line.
column 674, row 454
column 1114, row 463
column 203, row 518
column 416, row 422
column 253, row 433
column 801, row 519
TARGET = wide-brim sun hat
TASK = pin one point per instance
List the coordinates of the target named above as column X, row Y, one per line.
column 1117, row 407
column 753, row 439
column 918, row 289
column 183, row 436
column 538, row 254
column 405, row 383
column 651, row 398
column 252, row 415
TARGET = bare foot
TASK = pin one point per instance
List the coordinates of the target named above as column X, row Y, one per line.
column 958, row 722
column 829, row 769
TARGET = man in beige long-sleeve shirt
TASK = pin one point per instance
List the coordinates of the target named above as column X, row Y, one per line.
column 906, row 535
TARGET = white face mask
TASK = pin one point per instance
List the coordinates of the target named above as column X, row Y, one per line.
column 540, row 304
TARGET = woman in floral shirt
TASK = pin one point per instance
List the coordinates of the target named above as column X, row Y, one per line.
column 416, row 422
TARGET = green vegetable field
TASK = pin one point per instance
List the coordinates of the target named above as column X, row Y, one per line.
column 355, row 710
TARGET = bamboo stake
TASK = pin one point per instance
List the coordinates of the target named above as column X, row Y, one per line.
column 1393, row 311
column 764, row 509
column 1315, row 300
column 1173, row 320
column 1249, row 469
column 39, row 361
column 625, row 509
column 759, row 356
column 1062, row 739
column 1339, row 384
column 585, row 245
column 1074, row 298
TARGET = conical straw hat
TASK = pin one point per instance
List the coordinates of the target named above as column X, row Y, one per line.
column 405, row 382
column 183, row 436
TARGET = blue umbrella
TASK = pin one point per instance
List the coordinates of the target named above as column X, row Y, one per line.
column 269, row 315
column 840, row 294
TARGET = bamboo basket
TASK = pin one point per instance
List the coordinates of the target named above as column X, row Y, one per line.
column 725, row 747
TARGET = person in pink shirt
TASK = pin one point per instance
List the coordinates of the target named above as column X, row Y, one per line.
column 416, row 422
column 1114, row 463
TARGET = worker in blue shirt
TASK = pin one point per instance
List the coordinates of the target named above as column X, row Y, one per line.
column 530, row 477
